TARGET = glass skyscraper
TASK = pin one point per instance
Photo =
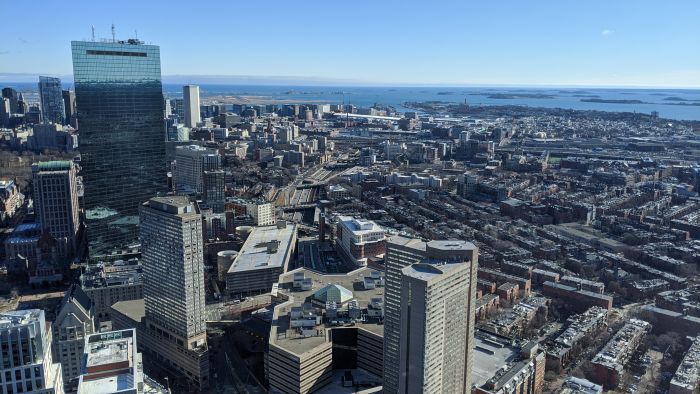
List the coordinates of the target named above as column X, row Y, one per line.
column 119, row 101
column 51, row 96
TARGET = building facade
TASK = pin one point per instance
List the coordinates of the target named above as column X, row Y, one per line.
column 27, row 366
column 56, row 203
column 359, row 239
column 190, row 163
column 400, row 253
column 119, row 98
column 74, row 321
column 190, row 94
column 107, row 283
column 434, row 322
column 51, row 96
column 173, row 261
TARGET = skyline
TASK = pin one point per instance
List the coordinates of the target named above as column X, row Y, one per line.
column 625, row 44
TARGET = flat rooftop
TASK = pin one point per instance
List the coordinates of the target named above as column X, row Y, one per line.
column 491, row 354
column 109, row 364
column 282, row 335
column 254, row 253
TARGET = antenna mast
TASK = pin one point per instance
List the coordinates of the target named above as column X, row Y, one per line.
column 93, row 33
column 114, row 34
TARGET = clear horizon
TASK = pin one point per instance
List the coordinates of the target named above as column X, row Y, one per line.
column 625, row 44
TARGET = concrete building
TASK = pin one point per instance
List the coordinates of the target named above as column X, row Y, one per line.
column 10, row 199
column 74, row 321
column 579, row 299
column 56, row 203
column 112, row 364
column 359, row 239
column 173, row 261
column 27, row 365
column 107, row 283
column 263, row 214
column 575, row 385
column 264, row 256
column 433, row 350
column 609, row 363
column 400, row 253
column 687, row 377
column 506, row 365
column 190, row 163
column 190, row 94
column 319, row 331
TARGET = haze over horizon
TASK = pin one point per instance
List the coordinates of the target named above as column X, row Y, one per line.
column 549, row 43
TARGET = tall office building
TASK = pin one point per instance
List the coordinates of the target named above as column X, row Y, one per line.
column 13, row 98
column 173, row 261
column 51, row 95
column 173, row 304
column 119, row 98
column 401, row 253
column 69, row 106
column 56, row 203
column 190, row 94
column 214, row 190
column 190, row 163
column 26, row 365
column 434, row 323
column 74, row 321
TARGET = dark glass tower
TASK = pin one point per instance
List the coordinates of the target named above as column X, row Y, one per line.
column 119, row 100
column 51, row 95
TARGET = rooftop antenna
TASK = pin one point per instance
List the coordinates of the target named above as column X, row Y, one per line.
column 114, row 34
column 137, row 34
column 93, row 33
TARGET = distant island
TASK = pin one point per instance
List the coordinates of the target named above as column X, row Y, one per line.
column 675, row 98
column 508, row 96
column 610, row 101
column 696, row 103
column 585, row 95
column 445, row 93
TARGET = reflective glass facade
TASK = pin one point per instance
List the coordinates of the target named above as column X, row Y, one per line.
column 51, row 96
column 120, row 109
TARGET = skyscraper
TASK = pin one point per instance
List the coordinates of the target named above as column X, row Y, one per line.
column 119, row 99
column 401, row 253
column 434, row 323
column 56, row 203
column 190, row 95
column 51, row 95
column 69, row 106
column 173, row 262
column 13, row 97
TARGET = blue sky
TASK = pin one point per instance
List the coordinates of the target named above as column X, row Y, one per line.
column 593, row 43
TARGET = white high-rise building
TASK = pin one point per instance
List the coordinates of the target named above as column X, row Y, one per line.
column 26, row 365
column 401, row 253
column 173, row 264
column 56, row 202
column 74, row 321
column 434, row 322
column 190, row 94
column 262, row 214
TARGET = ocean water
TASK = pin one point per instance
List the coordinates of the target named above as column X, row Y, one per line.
column 670, row 103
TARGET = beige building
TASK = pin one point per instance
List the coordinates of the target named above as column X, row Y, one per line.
column 320, row 328
column 403, row 252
